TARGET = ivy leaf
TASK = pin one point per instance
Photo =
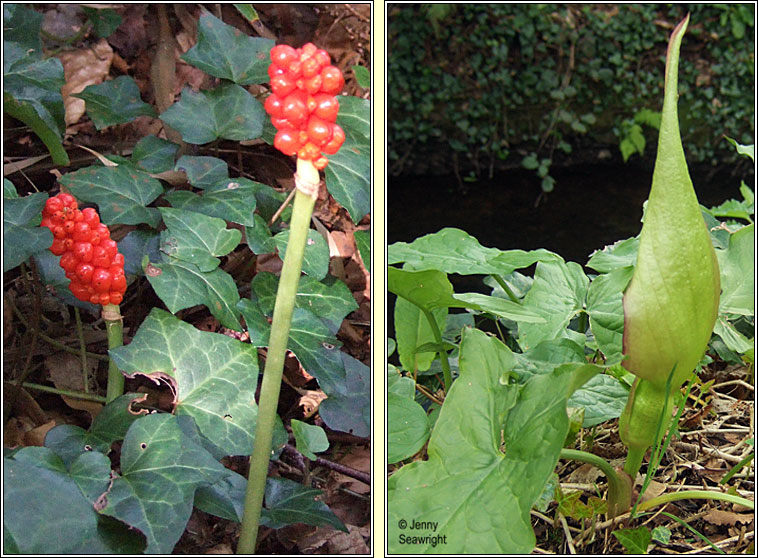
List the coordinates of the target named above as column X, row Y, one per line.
column 110, row 425
column 289, row 502
column 161, row 468
column 203, row 172
column 32, row 92
column 196, row 238
column 114, row 102
column 182, row 284
column 316, row 256
column 104, row 21
column 214, row 376
column 22, row 235
column 635, row 540
column 329, row 300
column 154, row 154
column 40, row 493
column 309, row 439
column 236, row 203
column 227, row 112
column 363, row 243
column 121, row 193
column 225, row 52
column 349, row 410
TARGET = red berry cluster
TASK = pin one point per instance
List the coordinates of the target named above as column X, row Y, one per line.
column 303, row 106
column 88, row 255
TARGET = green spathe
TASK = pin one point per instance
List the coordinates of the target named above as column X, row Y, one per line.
column 671, row 303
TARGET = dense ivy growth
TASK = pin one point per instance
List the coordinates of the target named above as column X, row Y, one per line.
column 527, row 82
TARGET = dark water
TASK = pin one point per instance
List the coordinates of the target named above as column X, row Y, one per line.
column 592, row 206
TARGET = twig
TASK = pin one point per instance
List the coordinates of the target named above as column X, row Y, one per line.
column 334, row 466
column 282, row 207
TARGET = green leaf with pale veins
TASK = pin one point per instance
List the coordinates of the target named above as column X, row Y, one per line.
column 227, row 112
column 226, row 52
column 363, row 243
column 214, row 376
column 454, row 251
column 161, row 468
column 330, row 300
column 289, row 502
column 110, row 425
column 154, row 154
column 121, row 193
column 672, row 300
column 22, row 235
column 114, row 102
column 348, row 179
column 203, row 172
column 196, row 238
column 316, row 256
column 487, row 468
column 350, row 410
column 235, row 203
column 182, row 284
column 42, row 496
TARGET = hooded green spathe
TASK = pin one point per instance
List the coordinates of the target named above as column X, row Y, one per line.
column 671, row 303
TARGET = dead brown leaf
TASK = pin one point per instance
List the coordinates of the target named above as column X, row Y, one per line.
column 83, row 67
column 36, row 436
column 721, row 517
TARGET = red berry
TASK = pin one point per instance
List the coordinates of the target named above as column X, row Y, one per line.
column 294, row 108
column 327, row 107
column 80, row 291
column 69, row 262
column 309, row 151
column 116, row 298
column 99, row 257
column 83, row 251
column 319, row 131
column 286, row 141
column 91, row 217
column 118, row 260
column 67, row 200
column 84, row 272
column 58, row 247
column 307, row 50
column 294, row 70
column 338, row 138
column 323, row 57
column 81, row 232
column 321, row 163
column 52, row 205
column 101, row 280
column 282, row 85
column 274, row 106
column 311, row 67
column 332, row 80
column 59, row 232
column 283, row 55
column 313, row 85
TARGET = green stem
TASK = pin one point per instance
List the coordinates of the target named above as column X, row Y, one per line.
column 67, row 393
column 272, row 374
column 634, row 461
column 506, row 288
column 115, row 328
column 619, row 486
column 695, row 494
column 448, row 377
